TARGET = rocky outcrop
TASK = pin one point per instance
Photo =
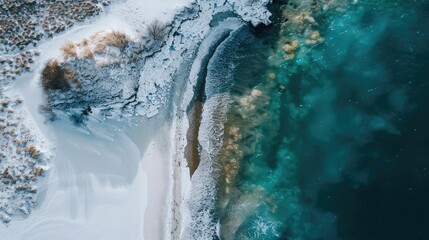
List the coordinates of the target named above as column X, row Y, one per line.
column 102, row 73
column 136, row 78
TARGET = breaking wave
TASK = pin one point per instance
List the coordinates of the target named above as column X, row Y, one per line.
column 203, row 222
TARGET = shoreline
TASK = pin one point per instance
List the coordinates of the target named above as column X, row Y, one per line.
column 105, row 170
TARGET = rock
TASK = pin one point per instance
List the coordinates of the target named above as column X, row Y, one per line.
column 256, row 93
column 291, row 47
column 315, row 35
column 271, row 75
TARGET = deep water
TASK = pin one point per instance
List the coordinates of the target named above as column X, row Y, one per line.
column 333, row 143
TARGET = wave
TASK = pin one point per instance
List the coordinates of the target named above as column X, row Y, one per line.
column 201, row 202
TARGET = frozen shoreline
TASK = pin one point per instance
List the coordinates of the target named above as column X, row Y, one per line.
column 115, row 179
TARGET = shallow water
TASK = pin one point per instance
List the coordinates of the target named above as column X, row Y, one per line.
column 331, row 144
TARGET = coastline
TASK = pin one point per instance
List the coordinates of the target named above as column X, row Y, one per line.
column 219, row 130
column 105, row 171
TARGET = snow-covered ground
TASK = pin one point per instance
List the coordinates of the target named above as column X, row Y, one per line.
column 97, row 189
column 121, row 178
column 97, row 185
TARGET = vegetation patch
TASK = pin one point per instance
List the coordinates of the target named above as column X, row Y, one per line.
column 87, row 53
column 156, row 30
column 56, row 77
column 69, row 50
column 53, row 77
column 116, row 39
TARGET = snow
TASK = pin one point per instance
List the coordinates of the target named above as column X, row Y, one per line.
column 252, row 11
column 97, row 190
column 158, row 169
column 138, row 13
column 153, row 78
column 114, row 179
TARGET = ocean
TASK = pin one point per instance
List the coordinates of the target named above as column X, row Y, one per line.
column 326, row 134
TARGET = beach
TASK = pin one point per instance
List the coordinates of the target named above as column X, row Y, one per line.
column 123, row 172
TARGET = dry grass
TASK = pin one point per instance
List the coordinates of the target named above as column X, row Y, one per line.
column 69, row 50
column 87, row 53
column 53, row 77
column 99, row 48
column 116, row 39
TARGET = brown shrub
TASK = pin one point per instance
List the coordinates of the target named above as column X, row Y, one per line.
column 116, row 39
column 39, row 171
column 156, row 30
column 53, row 77
column 33, row 151
column 99, row 48
column 87, row 53
column 69, row 49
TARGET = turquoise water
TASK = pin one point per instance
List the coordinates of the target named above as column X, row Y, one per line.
column 329, row 141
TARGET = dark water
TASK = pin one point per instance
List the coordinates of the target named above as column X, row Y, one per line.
column 334, row 143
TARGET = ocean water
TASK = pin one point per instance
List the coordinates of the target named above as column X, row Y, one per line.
column 328, row 139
